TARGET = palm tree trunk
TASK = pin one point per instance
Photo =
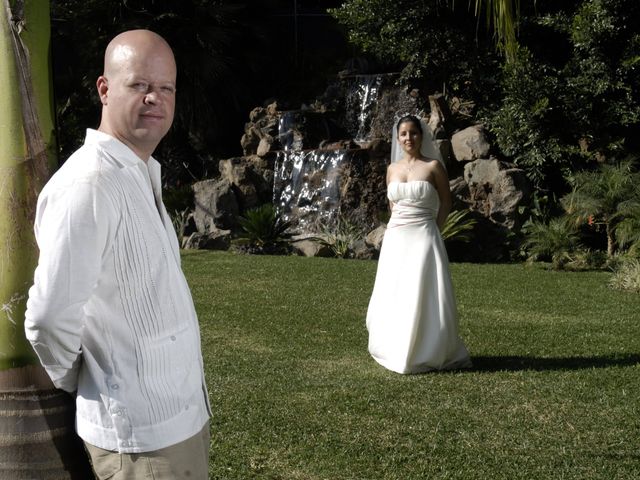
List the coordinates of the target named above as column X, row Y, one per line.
column 37, row 437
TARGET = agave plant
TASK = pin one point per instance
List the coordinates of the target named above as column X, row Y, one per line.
column 264, row 231
column 180, row 219
column 458, row 226
column 339, row 236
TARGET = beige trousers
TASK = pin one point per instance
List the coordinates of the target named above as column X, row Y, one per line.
column 188, row 460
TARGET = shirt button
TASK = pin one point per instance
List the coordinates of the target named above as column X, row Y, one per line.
column 173, row 338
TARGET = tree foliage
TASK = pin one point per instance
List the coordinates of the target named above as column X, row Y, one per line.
column 573, row 93
column 427, row 39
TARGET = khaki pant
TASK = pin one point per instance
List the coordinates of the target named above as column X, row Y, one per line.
column 187, row 460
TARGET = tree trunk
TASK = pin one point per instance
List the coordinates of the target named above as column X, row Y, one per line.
column 37, row 437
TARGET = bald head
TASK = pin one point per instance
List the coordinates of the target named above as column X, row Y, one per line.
column 123, row 48
column 137, row 90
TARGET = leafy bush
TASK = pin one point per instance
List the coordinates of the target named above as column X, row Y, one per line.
column 525, row 125
column 586, row 259
column 573, row 93
column 264, row 231
column 628, row 231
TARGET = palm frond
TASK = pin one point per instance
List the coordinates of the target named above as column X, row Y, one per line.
column 458, row 226
column 553, row 241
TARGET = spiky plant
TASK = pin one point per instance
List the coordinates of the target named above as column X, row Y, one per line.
column 339, row 235
column 264, row 231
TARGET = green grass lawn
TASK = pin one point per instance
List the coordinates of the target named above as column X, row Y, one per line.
column 554, row 394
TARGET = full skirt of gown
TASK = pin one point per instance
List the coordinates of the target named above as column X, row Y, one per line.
column 412, row 316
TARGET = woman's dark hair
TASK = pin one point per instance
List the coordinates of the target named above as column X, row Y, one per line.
column 409, row 119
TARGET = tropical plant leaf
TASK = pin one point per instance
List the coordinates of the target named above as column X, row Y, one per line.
column 458, row 226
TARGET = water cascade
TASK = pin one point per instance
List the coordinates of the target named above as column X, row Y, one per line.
column 309, row 182
column 361, row 98
column 306, row 187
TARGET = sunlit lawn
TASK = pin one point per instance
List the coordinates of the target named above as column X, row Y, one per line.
column 555, row 392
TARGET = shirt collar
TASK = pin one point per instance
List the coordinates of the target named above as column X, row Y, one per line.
column 118, row 149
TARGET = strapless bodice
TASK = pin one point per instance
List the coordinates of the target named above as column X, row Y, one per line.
column 417, row 193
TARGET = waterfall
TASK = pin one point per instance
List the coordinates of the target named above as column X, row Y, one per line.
column 360, row 102
column 306, row 188
column 286, row 133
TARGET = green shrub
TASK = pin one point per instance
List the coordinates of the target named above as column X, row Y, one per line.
column 587, row 259
column 263, row 231
column 526, row 123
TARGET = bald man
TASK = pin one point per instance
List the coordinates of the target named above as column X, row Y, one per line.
column 110, row 314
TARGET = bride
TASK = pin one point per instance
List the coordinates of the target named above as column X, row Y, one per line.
column 412, row 317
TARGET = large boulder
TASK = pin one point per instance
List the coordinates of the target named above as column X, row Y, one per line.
column 216, row 205
column 374, row 237
column 251, row 178
column 261, row 130
column 244, row 183
column 496, row 190
column 216, row 240
column 470, row 144
column 308, row 245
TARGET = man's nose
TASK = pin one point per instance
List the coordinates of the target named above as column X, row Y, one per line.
column 151, row 98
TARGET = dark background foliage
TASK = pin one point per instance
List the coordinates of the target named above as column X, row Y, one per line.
column 569, row 100
column 231, row 56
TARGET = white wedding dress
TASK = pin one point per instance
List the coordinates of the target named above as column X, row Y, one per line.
column 412, row 317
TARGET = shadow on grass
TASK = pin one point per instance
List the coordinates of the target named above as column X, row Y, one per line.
column 515, row 363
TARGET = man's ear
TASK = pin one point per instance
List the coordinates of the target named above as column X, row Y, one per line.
column 103, row 87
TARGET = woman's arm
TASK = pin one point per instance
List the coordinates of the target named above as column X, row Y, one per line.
column 389, row 175
column 441, row 180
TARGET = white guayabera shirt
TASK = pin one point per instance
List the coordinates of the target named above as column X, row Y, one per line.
column 110, row 313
